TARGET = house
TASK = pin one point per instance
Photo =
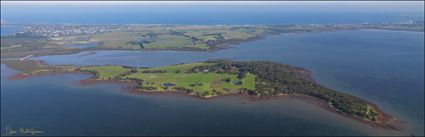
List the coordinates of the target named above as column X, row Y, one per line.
column 205, row 70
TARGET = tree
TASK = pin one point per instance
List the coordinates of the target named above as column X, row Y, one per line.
column 227, row 80
column 133, row 70
column 238, row 83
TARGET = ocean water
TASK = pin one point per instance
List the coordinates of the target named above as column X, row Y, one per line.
column 205, row 14
column 385, row 67
column 10, row 30
column 57, row 105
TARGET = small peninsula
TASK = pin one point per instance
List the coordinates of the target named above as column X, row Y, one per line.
column 220, row 77
column 48, row 39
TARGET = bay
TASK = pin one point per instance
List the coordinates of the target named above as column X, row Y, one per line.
column 385, row 67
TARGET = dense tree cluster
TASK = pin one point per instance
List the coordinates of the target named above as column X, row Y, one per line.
column 271, row 79
column 148, row 88
column 96, row 74
column 139, row 82
column 154, row 71
column 274, row 78
column 184, row 89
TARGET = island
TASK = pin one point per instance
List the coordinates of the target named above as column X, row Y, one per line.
column 260, row 79
column 48, row 39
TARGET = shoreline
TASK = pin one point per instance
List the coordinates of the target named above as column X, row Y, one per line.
column 221, row 46
column 384, row 121
column 129, row 87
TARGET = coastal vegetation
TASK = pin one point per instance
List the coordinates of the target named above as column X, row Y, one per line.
column 274, row 79
column 163, row 37
column 176, row 78
column 218, row 77
column 105, row 72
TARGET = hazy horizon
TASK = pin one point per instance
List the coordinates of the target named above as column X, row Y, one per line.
column 210, row 12
column 417, row 6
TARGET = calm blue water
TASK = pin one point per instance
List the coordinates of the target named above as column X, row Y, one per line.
column 10, row 30
column 55, row 105
column 383, row 66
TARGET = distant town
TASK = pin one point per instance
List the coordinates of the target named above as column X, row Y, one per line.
column 59, row 30
column 44, row 39
column 48, row 31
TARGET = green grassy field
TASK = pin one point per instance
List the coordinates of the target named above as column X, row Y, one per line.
column 166, row 41
column 180, row 67
column 187, row 37
column 115, row 40
column 212, row 78
column 159, row 38
column 106, row 72
column 203, row 84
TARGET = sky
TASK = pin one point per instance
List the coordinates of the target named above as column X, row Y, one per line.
column 415, row 6
column 207, row 11
column 402, row 5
